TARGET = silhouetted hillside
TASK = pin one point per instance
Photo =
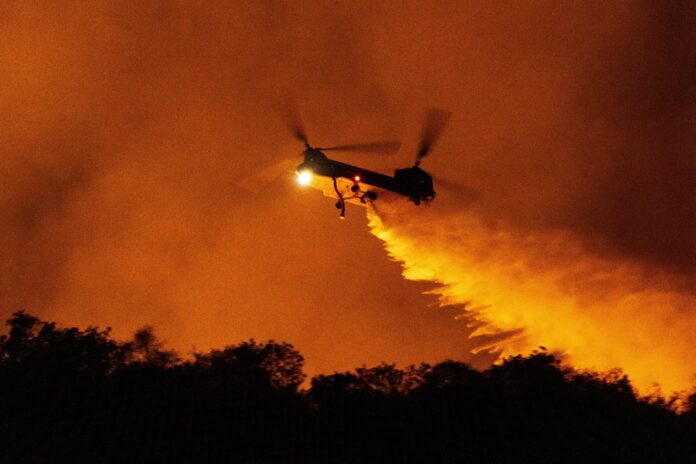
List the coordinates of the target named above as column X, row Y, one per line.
column 71, row 395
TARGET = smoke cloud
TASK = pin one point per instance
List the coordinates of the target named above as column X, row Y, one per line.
column 126, row 128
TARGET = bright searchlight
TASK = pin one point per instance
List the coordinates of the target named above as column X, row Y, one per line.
column 304, row 177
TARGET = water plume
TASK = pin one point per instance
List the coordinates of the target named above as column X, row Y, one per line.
column 545, row 289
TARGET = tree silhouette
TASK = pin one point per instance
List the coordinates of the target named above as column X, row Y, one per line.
column 43, row 349
column 77, row 395
column 384, row 380
column 255, row 365
column 147, row 350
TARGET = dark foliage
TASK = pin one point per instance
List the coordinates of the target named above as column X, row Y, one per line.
column 70, row 395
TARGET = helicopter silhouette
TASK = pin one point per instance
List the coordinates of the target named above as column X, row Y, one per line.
column 353, row 184
column 356, row 183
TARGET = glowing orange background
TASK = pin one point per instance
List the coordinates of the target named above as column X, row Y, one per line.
column 126, row 127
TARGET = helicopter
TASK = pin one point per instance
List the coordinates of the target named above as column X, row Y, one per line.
column 348, row 183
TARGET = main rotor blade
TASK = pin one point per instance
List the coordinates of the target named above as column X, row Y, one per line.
column 261, row 179
column 387, row 147
column 435, row 122
column 291, row 115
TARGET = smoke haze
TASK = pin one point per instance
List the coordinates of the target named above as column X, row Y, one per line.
column 127, row 125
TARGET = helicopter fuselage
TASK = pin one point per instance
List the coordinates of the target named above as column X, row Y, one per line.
column 354, row 183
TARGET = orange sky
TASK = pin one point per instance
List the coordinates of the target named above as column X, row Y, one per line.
column 126, row 127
